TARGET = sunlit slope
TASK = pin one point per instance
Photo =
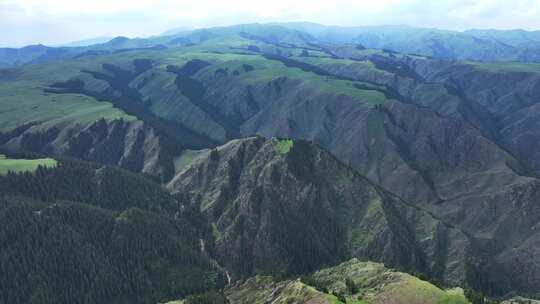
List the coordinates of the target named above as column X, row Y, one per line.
column 23, row 100
column 21, row 165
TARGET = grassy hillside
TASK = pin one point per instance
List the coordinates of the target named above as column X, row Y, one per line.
column 352, row 282
column 24, row 103
column 368, row 282
column 21, row 165
column 23, row 100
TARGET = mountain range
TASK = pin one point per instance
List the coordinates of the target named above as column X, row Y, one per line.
column 477, row 45
column 273, row 162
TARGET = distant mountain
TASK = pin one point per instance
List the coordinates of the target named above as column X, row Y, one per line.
column 31, row 54
column 88, row 42
column 479, row 45
column 177, row 30
column 511, row 37
column 36, row 54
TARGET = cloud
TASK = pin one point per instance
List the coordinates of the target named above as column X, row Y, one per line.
column 54, row 21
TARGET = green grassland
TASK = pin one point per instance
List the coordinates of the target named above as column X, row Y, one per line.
column 223, row 54
column 374, row 283
column 20, row 104
column 413, row 290
column 21, row 165
column 283, row 146
column 22, row 99
column 266, row 70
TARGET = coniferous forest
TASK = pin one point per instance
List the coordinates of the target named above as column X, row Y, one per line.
column 114, row 237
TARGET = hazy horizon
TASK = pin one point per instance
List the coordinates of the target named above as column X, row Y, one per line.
column 56, row 22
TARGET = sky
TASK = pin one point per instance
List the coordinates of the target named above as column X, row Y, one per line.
column 53, row 22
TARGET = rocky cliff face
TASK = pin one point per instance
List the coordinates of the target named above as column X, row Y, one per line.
column 131, row 145
column 282, row 207
column 508, row 99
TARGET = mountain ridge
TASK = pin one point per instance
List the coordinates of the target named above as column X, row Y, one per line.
column 254, row 159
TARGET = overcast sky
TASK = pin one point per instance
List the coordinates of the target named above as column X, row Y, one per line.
column 24, row 22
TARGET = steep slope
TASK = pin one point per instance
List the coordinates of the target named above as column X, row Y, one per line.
column 132, row 145
column 34, row 119
column 506, row 93
column 282, row 207
column 374, row 283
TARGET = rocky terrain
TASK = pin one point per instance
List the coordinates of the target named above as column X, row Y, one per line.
column 255, row 191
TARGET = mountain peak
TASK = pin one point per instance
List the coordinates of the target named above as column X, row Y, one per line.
column 117, row 40
column 283, row 198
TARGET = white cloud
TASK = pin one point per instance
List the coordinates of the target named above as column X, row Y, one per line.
column 53, row 21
